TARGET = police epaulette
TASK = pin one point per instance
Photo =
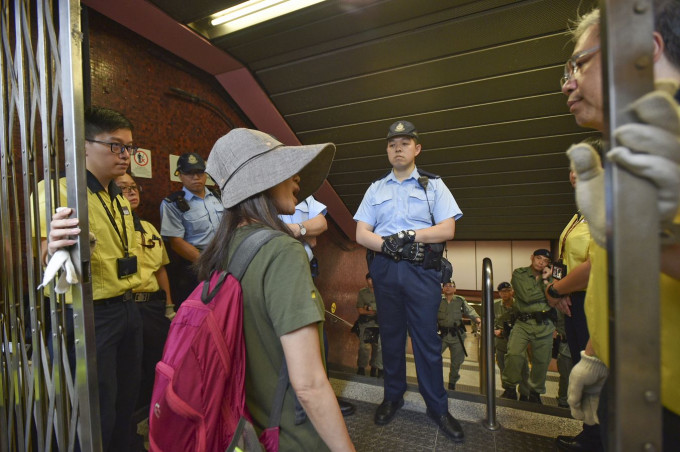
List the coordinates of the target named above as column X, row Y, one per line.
column 383, row 176
column 428, row 174
column 178, row 198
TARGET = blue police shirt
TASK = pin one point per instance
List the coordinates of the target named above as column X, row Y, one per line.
column 309, row 208
column 198, row 224
column 391, row 206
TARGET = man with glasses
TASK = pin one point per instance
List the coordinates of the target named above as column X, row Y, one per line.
column 534, row 324
column 189, row 219
column 114, row 270
column 656, row 138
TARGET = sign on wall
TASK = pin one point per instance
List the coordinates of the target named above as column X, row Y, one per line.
column 140, row 164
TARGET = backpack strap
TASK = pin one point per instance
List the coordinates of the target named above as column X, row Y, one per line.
column 277, row 404
column 245, row 252
column 247, row 249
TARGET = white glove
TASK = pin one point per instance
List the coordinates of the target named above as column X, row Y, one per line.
column 654, row 149
column 170, row 311
column 585, row 384
column 60, row 260
column 586, row 163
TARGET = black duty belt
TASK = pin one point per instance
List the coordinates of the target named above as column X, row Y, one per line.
column 126, row 296
column 538, row 316
column 142, row 297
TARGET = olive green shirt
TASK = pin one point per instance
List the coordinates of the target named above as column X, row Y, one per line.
column 279, row 297
column 367, row 298
column 529, row 291
column 501, row 314
column 451, row 314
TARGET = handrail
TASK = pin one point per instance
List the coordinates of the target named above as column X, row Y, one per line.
column 489, row 370
column 633, row 387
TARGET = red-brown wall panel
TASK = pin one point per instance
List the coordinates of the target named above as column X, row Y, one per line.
column 134, row 76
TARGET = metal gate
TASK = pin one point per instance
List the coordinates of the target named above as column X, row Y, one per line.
column 41, row 131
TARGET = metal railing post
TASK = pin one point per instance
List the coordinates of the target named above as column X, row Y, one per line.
column 489, row 369
column 633, row 246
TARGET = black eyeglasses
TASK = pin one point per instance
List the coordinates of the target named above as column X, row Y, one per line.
column 130, row 188
column 117, row 148
column 573, row 64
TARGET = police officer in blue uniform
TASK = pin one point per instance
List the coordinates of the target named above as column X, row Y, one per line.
column 189, row 219
column 404, row 220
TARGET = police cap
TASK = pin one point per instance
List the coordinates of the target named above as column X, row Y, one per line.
column 189, row 161
column 402, row 128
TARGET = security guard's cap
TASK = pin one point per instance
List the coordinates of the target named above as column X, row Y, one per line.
column 189, row 162
column 504, row 285
column 402, row 128
column 543, row 252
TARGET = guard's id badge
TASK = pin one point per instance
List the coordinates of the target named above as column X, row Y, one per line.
column 559, row 269
column 127, row 266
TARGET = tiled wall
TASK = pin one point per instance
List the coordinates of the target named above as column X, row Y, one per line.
column 134, row 76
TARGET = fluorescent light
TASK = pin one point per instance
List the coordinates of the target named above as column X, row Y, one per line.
column 254, row 12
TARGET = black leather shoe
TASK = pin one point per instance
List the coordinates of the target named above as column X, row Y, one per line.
column 380, row 373
column 535, row 397
column 509, row 393
column 346, row 408
column 523, row 398
column 449, row 425
column 452, row 386
column 373, row 371
column 361, row 371
column 573, row 444
column 386, row 411
column 562, row 404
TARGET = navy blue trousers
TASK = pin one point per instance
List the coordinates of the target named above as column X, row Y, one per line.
column 154, row 332
column 118, row 336
column 576, row 326
column 408, row 296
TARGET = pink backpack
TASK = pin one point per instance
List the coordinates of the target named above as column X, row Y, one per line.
column 198, row 401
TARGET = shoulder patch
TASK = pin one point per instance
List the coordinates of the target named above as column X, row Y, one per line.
column 428, row 174
column 178, row 198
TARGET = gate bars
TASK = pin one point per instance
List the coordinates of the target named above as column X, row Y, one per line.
column 41, row 132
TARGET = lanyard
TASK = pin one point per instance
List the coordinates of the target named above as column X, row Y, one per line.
column 123, row 238
column 579, row 219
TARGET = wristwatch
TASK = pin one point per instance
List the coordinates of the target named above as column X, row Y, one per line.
column 303, row 229
column 553, row 292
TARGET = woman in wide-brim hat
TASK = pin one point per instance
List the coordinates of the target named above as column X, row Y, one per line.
column 261, row 178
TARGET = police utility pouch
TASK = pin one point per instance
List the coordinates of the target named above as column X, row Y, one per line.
column 434, row 258
column 126, row 266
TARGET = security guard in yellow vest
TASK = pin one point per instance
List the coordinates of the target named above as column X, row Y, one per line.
column 115, row 272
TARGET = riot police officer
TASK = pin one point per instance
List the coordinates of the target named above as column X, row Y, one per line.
column 369, row 333
column 535, row 323
column 504, row 318
column 452, row 329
